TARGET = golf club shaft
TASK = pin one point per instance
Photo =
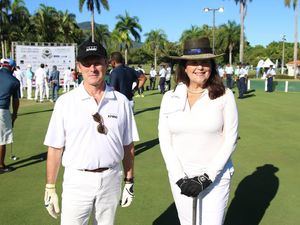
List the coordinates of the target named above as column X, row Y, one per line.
column 194, row 210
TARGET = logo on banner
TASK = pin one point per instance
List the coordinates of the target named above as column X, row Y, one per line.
column 46, row 53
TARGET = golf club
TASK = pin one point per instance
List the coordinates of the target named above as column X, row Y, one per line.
column 194, row 210
column 12, row 156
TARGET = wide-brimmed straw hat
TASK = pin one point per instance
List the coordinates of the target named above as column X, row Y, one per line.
column 195, row 49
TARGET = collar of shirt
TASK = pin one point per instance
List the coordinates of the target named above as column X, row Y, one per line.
column 179, row 97
column 108, row 93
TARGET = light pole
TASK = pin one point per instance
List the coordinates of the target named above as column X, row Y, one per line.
column 221, row 9
column 282, row 61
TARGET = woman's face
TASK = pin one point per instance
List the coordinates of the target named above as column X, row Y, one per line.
column 198, row 71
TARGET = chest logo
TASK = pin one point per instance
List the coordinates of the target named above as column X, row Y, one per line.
column 112, row 116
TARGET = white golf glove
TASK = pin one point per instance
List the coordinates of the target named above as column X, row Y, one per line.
column 51, row 200
column 127, row 195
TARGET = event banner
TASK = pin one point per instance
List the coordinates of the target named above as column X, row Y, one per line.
column 61, row 56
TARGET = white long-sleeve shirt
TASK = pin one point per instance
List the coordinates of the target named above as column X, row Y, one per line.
column 197, row 140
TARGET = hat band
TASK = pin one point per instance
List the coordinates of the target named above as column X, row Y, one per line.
column 196, row 51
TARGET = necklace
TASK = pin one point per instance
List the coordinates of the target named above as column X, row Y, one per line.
column 195, row 92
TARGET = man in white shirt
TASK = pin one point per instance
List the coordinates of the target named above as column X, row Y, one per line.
column 153, row 74
column 162, row 78
column 229, row 73
column 93, row 147
column 270, row 74
column 168, row 78
column 242, row 86
column 67, row 79
column 40, row 79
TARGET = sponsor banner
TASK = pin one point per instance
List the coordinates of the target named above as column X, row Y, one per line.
column 61, row 56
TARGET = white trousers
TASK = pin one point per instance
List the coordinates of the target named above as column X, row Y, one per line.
column 47, row 91
column 86, row 193
column 39, row 90
column 211, row 202
column 29, row 88
column 66, row 85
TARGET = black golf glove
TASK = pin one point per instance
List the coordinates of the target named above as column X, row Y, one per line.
column 193, row 186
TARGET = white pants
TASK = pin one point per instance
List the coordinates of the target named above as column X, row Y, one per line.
column 66, row 85
column 39, row 89
column 211, row 202
column 47, row 91
column 29, row 88
column 86, row 193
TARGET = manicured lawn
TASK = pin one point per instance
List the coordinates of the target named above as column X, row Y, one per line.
column 269, row 130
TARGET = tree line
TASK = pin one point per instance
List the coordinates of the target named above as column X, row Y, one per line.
column 47, row 24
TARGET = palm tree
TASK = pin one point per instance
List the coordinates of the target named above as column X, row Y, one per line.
column 102, row 34
column 91, row 4
column 195, row 32
column 68, row 27
column 4, row 24
column 128, row 26
column 229, row 36
column 156, row 40
column 19, row 20
column 296, row 9
column 243, row 11
column 46, row 22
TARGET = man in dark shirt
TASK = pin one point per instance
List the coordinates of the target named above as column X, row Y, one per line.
column 9, row 88
column 123, row 78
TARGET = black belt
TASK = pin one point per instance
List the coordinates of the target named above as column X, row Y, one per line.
column 98, row 170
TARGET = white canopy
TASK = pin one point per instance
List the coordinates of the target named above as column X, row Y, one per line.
column 260, row 63
column 268, row 63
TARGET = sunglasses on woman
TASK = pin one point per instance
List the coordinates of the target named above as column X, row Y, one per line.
column 101, row 128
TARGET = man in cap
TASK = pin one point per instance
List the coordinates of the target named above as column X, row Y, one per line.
column 9, row 89
column 93, row 127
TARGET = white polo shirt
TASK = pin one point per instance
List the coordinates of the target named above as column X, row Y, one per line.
column 40, row 76
column 73, row 127
column 242, row 72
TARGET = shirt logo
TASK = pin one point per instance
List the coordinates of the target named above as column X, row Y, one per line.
column 112, row 116
column 91, row 48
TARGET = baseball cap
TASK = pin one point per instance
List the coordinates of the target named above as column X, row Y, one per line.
column 10, row 62
column 89, row 48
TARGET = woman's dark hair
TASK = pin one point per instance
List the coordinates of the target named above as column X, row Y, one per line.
column 214, row 84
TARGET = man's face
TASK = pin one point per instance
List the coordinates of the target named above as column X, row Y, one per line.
column 93, row 70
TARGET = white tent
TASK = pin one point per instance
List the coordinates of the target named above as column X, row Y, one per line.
column 260, row 63
column 268, row 63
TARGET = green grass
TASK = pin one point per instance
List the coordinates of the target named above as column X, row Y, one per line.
column 269, row 130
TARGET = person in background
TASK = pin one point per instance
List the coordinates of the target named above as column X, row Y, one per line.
column 29, row 77
column 168, row 77
column 19, row 75
column 46, row 84
column 40, row 80
column 9, row 93
column 153, row 74
column 123, row 78
column 221, row 71
column 197, row 128
column 241, row 83
column 54, row 81
column 91, row 132
column 270, row 76
column 74, row 78
column 162, row 78
column 229, row 74
column 141, row 72
column 67, row 80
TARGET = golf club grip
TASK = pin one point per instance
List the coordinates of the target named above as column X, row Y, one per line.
column 194, row 210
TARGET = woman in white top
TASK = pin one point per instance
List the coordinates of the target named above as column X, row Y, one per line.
column 197, row 132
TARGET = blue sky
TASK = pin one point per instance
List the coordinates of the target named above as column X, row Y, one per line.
column 266, row 20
